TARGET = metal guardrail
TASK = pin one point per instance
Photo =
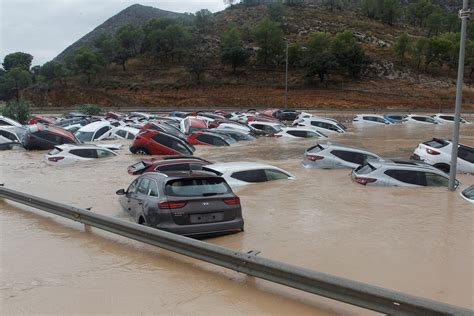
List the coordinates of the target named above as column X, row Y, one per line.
column 344, row 290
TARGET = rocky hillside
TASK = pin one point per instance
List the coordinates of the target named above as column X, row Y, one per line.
column 135, row 14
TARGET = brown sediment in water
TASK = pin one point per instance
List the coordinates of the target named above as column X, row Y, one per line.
column 415, row 240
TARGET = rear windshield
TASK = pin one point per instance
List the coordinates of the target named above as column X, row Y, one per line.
column 315, row 149
column 436, row 143
column 197, row 187
column 365, row 169
column 84, row 136
column 469, row 192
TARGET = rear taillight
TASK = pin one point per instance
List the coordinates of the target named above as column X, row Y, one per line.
column 432, row 152
column 171, row 204
column 55, row 159
column 232, row 201
column 364, row 181
column 314, row 157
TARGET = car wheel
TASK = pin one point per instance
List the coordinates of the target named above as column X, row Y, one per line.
column 141, row 151
column 443, row 167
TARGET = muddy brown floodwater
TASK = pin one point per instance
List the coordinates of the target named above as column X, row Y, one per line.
column 414, row 240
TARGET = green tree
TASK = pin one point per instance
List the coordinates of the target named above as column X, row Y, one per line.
column 401, row 47
column 418, row 12
column 18, row 110
column 269, row 38
column 129, row 38
column 451, row 22
column 349, row 55
column 107, row 46
column 418, row 50
column 17, row 60
column 370, row 8
column 437, row 51
column 318, row 60
column 275, row 11
column 15, row 80
column 53, row 71
column 199, row 59
column 232, row 50
column 202, row 19
column 434, row 22
column 171, row 41
column 295, row 54
column 87, row 62
column 451, row 58
column 332, row 5
column 390, row 11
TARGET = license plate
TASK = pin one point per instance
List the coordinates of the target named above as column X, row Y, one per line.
column 206, row 218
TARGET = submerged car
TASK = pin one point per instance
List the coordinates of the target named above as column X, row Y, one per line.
column 369, row 120
column 208, row 138
column 241, row 173
column 437, row 152
column 186, row 203
column 420, row 119
column 238, row 135
column 269, row 128
column 43, row 137
column 120, row 132
column 93, row 131
column 329, row 156
column 394, row 173
column 299, row 132
column 324, row 125
column 151, row 142
column 13, row 133
column 468, row 194
column 167, row 163
column 286, row 115
column 46, row 120
column 6, row 121
column 65, row 154
column 448, row 118
column 394, row 118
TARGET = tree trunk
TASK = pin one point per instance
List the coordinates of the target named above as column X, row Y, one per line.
column 123, row 65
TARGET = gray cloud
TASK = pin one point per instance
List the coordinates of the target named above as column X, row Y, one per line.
column 43, row 28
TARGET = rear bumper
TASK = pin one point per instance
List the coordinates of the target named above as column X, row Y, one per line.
column 207, row 229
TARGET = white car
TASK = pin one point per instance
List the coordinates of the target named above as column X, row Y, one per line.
column 120, row 132
column 6, row 121
column 266, row 127
column 66, row 154
column 299, row 132
column 324, row 125
column 93, row 131
column 448, row 118
column 437, row 152
column 468, row 194
column 420, row 119
column 369, row 120
column 242, row 173
column 234, row 126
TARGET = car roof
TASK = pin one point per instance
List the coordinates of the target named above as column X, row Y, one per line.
column 172, row 175
column 125, row 128
column 81, row 146
column 92, row 127
column 404, row 163
column 376, row 115
column 302, row 128
column 322, row 119
column 342, row 146
column 55, row 130
column 240, row 166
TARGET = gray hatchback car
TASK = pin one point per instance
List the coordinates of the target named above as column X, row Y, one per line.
column 194, row 203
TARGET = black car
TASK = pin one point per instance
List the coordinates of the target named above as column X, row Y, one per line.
column 44, row 137
column 286, row 115
column 194, row 203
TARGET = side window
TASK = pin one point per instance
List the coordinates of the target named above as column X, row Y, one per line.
column 297, row 133
column 164, row 140
column 121, row 133
column 218, row 141
column 133, row 187
column 275, row 175
column 205, row 139
column 252, row 176
column 258, row 126
column 8, row 135
column 101, row 131
column 104, row 153
column 345, row 155
column 153, row 189
column 466, row 153
column 143, row 186
column 130, row 136
column 407, row 176
column 447, row 118
column 433, row 179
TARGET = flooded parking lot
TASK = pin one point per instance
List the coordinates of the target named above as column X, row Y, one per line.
column 415, row 240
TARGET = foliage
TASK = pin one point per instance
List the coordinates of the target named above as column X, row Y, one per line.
column 332, row 5
column 18, row 110
column 318, row 59
column 128, row 43
column 202, row 19
column 87, row 62
column 89, row 109
column 295, row 54
column 388, row 11
column 418, row 12
column 349, row 55
column 402, row 47
column 13, row 81
column 54, row 71
column 232, row 50
column 269, row 37
column 275, row 11
column 199, row 59
column 17, row 60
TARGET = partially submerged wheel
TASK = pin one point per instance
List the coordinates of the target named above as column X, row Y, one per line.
column 141, row 151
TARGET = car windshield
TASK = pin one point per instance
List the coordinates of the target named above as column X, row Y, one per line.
column 84, row 136
column 469, row 192
column 365, row 169
column 197, row 187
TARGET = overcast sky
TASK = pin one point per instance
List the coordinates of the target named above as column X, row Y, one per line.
column 44, row 28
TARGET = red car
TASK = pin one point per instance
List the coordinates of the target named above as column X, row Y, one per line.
column 150, row 142
column 208, row 138
column 115, row 115
column 167, row 163
column 42, row 119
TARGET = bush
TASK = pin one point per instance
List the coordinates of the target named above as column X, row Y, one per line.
column 17, row 110
column 89, row 109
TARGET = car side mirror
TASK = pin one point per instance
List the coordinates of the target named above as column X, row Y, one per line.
column 120, row 192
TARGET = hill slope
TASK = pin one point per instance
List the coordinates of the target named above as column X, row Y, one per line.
column 135, row 14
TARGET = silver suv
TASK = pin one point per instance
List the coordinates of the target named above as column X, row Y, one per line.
column 329, row 156
column 396, row 173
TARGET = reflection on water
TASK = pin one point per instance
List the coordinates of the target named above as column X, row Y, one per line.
column 416, row 240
